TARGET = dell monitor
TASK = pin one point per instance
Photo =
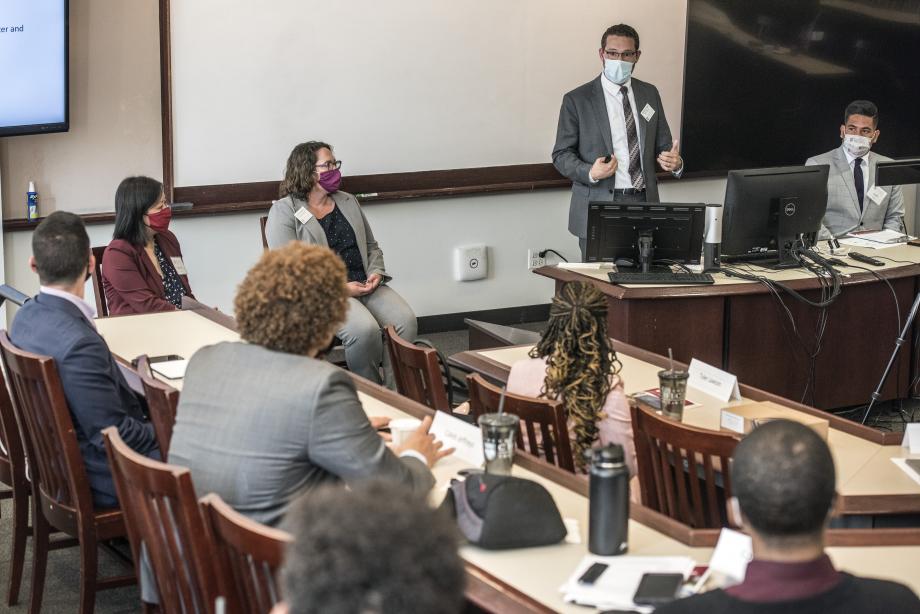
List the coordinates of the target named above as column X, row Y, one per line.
column 645, row 232
column 772, row 211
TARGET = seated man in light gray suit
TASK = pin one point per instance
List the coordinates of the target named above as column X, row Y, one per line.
column 264, row 420
column 854, row 202
column 610, row 131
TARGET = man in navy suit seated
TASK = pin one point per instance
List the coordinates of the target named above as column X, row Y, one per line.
column 58, row 322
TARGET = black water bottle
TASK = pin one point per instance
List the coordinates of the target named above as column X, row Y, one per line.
column 608, row 520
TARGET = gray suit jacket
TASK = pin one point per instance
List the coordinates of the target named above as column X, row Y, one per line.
column 260, row 427
column 284, row 227
column 843, row 214
column 583, row 136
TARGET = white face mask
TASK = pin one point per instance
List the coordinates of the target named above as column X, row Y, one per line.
column 617, row 71
column 857, row 145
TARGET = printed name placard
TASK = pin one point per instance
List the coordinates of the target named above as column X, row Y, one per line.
column 714, row 382
column 455, row 433
column 732, row 554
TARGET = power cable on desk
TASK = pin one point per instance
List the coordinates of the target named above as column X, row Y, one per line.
column 543, row 253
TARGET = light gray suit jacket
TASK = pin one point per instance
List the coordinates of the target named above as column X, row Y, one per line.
column 283, row 227
column 843, row 214
column 583, row 136
column 260, row 427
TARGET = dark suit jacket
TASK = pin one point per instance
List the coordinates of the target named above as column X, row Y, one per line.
column 96, row 391
column 583, row 136
column 131, row 282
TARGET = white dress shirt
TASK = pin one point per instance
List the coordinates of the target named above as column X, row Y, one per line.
column 88, row 311
column 851, row 160
column 614, row 100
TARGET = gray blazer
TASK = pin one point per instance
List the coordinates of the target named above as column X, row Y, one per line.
column 284, row 227
column 260, row 427
column 843, row 214
column 583, row 136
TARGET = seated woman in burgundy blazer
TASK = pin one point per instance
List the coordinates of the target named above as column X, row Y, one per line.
column 142, row 268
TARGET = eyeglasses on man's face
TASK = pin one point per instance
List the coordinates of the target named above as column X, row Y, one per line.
column 626, row 56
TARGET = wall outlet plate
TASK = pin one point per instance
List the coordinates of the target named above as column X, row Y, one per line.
column 471, row 263
column 534, row 261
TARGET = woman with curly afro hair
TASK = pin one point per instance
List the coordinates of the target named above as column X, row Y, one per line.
column 262, row 420
column 575, row 362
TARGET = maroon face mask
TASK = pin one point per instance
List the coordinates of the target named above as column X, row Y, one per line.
column 159, row 221
column 331, row 180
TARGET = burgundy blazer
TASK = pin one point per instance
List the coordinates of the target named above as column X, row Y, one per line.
column 131, row 282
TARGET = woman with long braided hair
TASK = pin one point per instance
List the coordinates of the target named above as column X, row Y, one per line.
column 575, row 362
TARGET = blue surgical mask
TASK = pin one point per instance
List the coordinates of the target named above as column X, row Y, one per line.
column 617, row 71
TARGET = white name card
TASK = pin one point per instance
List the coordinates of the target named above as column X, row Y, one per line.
column 732, row 554
column 455, row 433
column 714, row 382
column 302, row 215
column 876, row 194
column 911, row 439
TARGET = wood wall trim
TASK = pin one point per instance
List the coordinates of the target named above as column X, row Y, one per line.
column 166, row 123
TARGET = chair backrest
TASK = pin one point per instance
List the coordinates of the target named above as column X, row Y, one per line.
column 417, row 372
column 102, row 308
column 161, row 512
column 12, row 453
column 262, row 222
column 162, row 400
column 542, row 420
column 683, row 470
column 58, row 473
column 249, row 555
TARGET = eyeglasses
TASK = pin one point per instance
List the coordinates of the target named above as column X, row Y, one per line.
column 628, row 56
column 330, row 166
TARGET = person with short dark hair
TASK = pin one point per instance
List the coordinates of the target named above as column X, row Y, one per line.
column 854, row 202
column 142, row 269
column 783, row 477
column 58, row 323
column 266, row 419
column 611, row 132
column 375, row 549
column 313, row 209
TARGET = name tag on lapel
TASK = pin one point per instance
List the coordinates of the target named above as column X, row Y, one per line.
column 302, row 215
column 179, row 265
column 876, row 194
column 647, row 112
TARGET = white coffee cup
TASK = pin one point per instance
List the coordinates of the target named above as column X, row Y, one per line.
column 401, row 428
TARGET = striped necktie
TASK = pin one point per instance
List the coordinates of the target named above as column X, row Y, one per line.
column 632, row 138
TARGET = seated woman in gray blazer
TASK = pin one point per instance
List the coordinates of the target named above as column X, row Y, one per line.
column 312, row 209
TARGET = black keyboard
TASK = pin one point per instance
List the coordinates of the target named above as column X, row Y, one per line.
column 684, row 279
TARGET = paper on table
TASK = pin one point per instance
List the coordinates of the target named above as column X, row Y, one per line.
column 910, row 471
column 455, row 433
column 880, row 236
column 617, row 585
column 861, row 242
column 171, row 369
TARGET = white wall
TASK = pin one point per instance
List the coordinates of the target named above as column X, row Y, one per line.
column 417, row 238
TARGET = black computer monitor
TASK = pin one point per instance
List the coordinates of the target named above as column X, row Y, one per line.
column 674, row 231
column 773, row 210
column 897, row 172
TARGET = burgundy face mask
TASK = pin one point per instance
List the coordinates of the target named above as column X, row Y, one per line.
column 331, row 180
column 159, row 221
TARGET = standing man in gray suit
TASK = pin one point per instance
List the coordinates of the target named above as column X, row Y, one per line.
column 854, row 202
column 610, row 132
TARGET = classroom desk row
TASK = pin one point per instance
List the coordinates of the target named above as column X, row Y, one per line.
column 499, row 581
column 739, row 326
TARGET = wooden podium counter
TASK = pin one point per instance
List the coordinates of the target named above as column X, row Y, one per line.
column 740, row 326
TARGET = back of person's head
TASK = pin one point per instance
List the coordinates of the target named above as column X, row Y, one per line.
column 134, row 196
column 580, row 360
column 61, row 250
column 783, row 477
column 374, row 549
column 298, row 172
column 865, row 108
column 293, row 300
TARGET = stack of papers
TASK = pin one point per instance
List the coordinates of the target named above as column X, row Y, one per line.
column 878, row 239
column 615, row 588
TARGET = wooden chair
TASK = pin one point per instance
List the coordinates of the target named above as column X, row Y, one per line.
column 683, row 470
column 417, row 372
column 162, row 514
column 551, row 441
column 262, row 222
column 63, row 500
column 162, row 400
column 13, row 474
column 102, row 308
column 249, row 555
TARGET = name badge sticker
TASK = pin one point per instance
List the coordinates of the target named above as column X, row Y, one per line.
column 302, row 215
column 876, row 194
column 647, row 112
column 179, row 265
